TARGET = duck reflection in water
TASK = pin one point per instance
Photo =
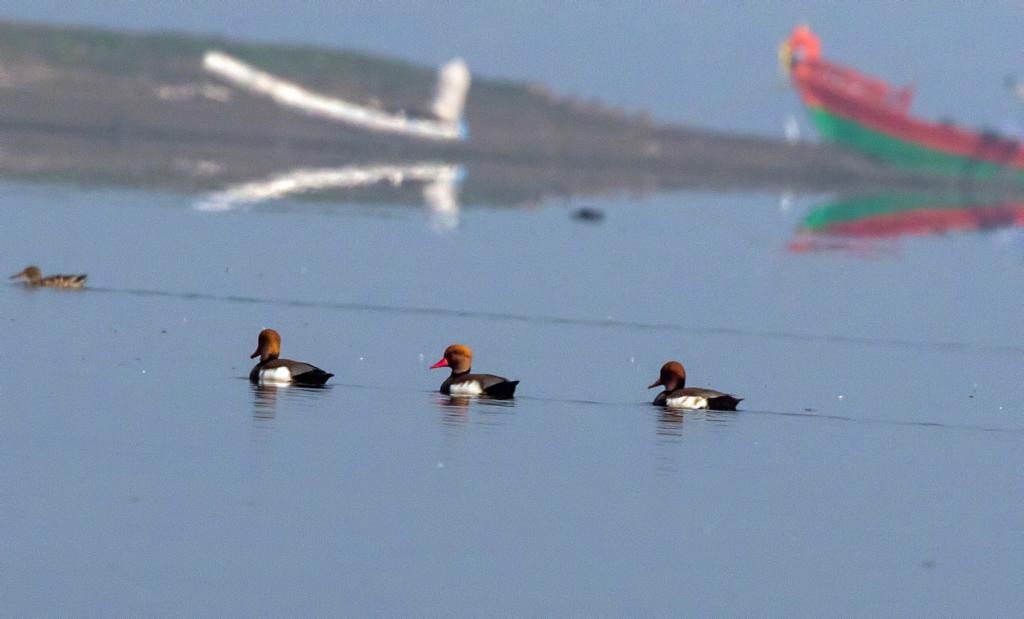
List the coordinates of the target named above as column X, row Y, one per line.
column 670, row 423
column 455, row 409
column 264, row 401
column 670, row 420
column 267, row 397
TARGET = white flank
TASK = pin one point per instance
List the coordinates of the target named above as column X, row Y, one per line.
column 451, row 95
column 687, row 401
column 276, row 376
column 467, row 388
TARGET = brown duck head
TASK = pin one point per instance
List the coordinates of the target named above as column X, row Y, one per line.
column 458, row 357
column 269, row 346
column 30, row 274
column 673, row 376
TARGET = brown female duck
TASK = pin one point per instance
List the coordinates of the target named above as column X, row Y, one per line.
column 33, row 278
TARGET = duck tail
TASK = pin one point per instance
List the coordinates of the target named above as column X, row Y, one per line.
column 503, row 390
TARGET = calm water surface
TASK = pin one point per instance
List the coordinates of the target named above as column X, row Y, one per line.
column 876, row 467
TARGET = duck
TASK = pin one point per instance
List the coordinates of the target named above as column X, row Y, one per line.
column 276, row 371
column 33, row 278
column 459, row 358
column 678, row 395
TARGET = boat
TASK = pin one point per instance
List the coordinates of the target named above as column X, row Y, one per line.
column 868, row 115
column 844, row 223
column 445, row 121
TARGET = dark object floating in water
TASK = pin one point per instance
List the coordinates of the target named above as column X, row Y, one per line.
column 33, row 278
column 588, row 213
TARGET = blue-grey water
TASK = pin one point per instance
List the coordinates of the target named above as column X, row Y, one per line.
column 875, row 467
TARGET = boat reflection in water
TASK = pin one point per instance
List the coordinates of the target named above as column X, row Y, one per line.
column 440, row 190
column 871, row 225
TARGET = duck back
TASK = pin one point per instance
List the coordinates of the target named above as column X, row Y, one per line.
column 697, row 398
column 479, row 384
column 286, row 370
column 63, row 281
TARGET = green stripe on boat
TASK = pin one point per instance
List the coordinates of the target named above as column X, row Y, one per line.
column 856, row 136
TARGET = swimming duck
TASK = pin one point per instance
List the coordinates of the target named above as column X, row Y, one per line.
column 33, row 278
column 459, row 358
column 272, row 370
column 678, row 395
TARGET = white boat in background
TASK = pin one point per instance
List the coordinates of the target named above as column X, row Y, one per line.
column 448, row 105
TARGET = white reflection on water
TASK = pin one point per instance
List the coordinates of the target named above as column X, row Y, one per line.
column 440, row 187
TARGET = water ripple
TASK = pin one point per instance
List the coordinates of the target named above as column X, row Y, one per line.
column 609, row 323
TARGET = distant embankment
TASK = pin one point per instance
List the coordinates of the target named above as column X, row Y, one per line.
column 87, row 103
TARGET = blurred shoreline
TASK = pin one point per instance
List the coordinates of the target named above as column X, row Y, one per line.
column 94, row 106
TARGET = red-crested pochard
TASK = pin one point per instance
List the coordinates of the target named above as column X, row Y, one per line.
column 275, row 371
column 459, row 358
column 678, row 395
